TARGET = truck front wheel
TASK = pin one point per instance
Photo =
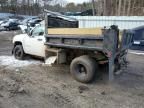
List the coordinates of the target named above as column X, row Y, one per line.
column 83, row 69
column 19, row 52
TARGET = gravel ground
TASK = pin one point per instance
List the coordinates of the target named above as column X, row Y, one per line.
column 36, row 85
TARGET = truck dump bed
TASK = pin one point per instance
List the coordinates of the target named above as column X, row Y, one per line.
column 91, row 39
column 105, row 41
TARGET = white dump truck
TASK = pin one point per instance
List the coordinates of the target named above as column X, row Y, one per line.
column 82, row 48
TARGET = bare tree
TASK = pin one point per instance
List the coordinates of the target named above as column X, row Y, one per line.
column 93, row 7
column 124, row 6
column 119, row 7
column 129, row 7
column 100, row 9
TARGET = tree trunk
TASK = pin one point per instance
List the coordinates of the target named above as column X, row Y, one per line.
column 129, row 8
column 93, row 7
column 100, row 7
column 119, row 7
column 124, row 6
column 104, row 7
column 133, row 7
column 116, row 7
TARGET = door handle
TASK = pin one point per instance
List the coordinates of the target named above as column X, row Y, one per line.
column 39, row 39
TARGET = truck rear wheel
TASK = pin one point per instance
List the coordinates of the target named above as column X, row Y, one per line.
column 83, row 69
column 19, row 52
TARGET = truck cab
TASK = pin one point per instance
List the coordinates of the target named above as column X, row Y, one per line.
column 31, row 43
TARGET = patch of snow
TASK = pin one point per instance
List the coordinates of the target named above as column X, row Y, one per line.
column 10, row 61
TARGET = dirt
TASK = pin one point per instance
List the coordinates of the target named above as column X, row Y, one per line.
column 40, row 86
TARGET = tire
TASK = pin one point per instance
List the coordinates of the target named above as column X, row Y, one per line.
column 83, row 69
column 19, row 52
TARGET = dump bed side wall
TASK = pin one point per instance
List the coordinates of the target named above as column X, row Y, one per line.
column 76, row 42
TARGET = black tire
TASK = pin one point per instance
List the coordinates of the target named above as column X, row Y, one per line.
column 19, row 52
column 83, row 69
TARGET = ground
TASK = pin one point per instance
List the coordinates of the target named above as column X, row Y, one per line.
column 32, row 84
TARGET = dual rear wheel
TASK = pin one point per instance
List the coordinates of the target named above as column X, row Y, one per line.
column 83, row 69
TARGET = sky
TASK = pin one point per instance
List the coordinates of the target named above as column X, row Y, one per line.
column 77, row 1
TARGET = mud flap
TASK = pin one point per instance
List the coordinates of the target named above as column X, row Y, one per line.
column 111, row 69
column 110, row 47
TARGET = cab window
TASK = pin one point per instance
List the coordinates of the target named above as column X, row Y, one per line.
column 38, row 31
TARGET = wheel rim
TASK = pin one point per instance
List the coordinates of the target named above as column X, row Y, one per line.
column 81, row 69
column 18, row 52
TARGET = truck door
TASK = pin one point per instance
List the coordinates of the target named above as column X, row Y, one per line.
column 35, row 42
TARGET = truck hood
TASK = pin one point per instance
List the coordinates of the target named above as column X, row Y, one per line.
column 23, row 28
column 19, row 38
